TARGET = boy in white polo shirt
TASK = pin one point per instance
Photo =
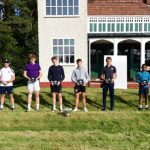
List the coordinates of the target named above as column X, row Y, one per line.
column 7, row 76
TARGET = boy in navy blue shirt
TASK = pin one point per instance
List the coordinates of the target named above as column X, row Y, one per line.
column 56, row 76
column 143, row 78
column 108, row 75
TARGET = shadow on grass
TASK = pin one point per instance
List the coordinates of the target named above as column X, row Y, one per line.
column 44, row 101
column 20, row 101
column 120, row 99
column 94, row 104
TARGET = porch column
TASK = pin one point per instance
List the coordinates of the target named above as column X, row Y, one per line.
column 115, row 47
column 89, row 58
column 142, row 52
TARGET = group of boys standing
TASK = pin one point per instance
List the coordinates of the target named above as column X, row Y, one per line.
column 56, row 75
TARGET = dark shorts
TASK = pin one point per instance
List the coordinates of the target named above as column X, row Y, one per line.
column 6, row 90
column 56, row 89
column 79, row 88
column 143, row 90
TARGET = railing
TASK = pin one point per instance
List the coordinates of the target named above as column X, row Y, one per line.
column 119, row 24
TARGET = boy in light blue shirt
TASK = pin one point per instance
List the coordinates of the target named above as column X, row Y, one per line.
column 143, row 78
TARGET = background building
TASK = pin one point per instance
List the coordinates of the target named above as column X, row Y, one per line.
column 72, row 29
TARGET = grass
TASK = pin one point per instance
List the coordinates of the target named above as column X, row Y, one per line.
column 124, row 129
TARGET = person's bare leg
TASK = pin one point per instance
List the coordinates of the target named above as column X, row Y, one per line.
column 2, row 101
column 12, row 101
column 84, row 102
column 60, row 101
column 54, row 101
column 146, row 101
column 29, row 100
column 84, row 99
column 76, row 101
column 37, row 98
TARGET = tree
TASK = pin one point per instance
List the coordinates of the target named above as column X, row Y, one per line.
column 19, row 33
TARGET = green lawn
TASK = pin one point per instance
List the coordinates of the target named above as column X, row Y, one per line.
column 125, row 128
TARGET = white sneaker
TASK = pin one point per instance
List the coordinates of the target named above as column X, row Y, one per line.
column 85, row 109
column 61, row 110
column 29, row 109
column 146, row 106
column 76, row 109
column 37, row 109
column 54, row 110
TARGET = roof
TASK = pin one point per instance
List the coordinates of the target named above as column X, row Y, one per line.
column 118, row 7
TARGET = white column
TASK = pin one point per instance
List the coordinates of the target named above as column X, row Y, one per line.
column 115, row 47
column 142, row 52
column 89, row 59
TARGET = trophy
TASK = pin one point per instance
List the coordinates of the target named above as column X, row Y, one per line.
column 108, row 80
column 80, row 82
column 55, row 83
column 144, row 82
column 67, row 112
column 33, row 79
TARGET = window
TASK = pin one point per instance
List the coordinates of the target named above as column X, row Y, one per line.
column 64, row 49
column 62, row 7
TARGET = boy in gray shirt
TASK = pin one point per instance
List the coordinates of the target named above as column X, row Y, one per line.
column 80, row 78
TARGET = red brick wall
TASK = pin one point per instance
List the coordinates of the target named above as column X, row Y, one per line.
column 118, row 7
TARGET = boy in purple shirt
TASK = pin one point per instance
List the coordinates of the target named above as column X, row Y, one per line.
column 32, row 72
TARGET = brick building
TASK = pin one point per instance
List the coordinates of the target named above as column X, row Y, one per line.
column 91, row 30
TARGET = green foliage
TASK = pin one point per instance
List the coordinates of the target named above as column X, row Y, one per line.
column 18, row 34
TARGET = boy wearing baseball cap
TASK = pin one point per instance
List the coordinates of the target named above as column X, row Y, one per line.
column 7, row 76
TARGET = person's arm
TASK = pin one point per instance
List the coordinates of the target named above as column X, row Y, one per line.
column 138, row 78
column 12, row 77
column 148, row 77
column 50, row 75
column 40, row 74
column 102, row 77
column 73, row 77
column 87, row 78
column 115, row 74
column 4, row 82
column 62, row 74
column 25, row 75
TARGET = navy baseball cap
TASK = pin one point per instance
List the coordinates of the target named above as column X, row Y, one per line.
column 6, row 61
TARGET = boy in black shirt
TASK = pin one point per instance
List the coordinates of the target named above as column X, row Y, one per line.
column 56, row 76
column 109, row 73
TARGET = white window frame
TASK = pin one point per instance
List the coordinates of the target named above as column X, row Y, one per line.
column 62, row 16
column 64, row 63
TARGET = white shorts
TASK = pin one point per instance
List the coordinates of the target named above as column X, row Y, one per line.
column 33, row 86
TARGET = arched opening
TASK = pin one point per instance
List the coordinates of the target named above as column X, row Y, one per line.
column 98, row 50
column 147, row 53
column 131, row 49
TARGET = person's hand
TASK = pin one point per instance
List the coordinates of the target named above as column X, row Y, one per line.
column 58, row 83
column 106, row 81
column 84, row 84
column 112, row 80
column 52, row 83
column 37, row 79
column 5, row 82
